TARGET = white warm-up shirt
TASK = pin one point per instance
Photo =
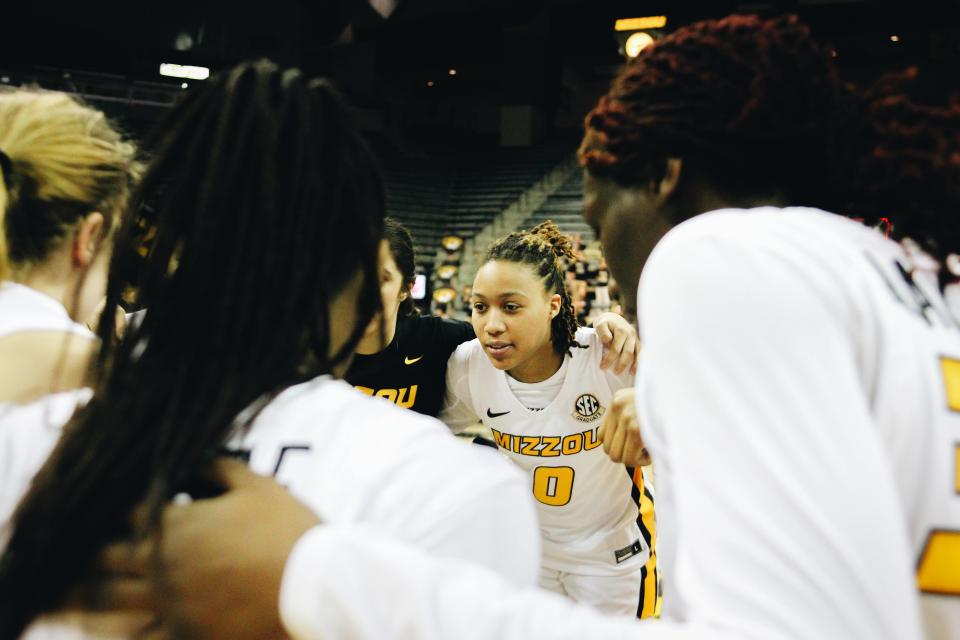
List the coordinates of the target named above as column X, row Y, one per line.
column 351, row 458
column 799, row 396
column 355, row 459
column 23, row 309
column 28, row 432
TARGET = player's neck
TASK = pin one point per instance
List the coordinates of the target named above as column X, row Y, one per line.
column 539, row 366
column 372, row 343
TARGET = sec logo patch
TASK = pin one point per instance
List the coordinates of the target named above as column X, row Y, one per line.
column 587, row 408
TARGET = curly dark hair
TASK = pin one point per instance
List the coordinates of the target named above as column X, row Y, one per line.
column 548, row 251
column 750, row 101
column 899, row 158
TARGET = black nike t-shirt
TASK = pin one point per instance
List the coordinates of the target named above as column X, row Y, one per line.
column 411, row 372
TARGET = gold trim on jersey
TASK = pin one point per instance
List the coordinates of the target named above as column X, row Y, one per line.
column 951, row 381
column 651, row 597
column 937, row 569
column 956, row 466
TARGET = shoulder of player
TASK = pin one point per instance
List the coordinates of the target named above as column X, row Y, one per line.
column 325, row 408
column 467, row 350
column 335, row 412
column 49, row 412
column 445, row 328
column 748, row 248
column 769, row 230
column 587, row 336
column 439, row 336
column 762, row 268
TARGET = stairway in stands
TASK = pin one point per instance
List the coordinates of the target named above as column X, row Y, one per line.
column 565, row 207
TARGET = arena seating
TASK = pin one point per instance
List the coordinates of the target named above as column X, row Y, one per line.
column 417, row 194
column 565, row 207
column 488, row 183
column 460, row 195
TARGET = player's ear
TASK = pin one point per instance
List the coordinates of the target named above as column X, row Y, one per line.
column 556, row 303
column 87, row 237
column 666, row 186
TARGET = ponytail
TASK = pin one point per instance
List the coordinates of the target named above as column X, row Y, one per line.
column 61, row 161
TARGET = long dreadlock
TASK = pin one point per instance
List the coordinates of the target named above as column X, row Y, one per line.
column 267, row 203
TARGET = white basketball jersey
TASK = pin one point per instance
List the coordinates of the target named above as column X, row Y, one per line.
column 28, row 432
column 802, row 360
column 356, row 459
column 586, row 511
column 26, row 309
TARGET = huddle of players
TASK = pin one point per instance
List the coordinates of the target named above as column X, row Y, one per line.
column 262, row 386
column 800, row 382
column 843, row 275
column 595, row 516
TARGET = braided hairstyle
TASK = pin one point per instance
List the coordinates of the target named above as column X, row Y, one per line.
column 267, row 205
column 548, row 251
column 899, row 158
column 750, row 102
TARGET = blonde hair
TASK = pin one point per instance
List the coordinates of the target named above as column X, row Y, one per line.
column 66, row 160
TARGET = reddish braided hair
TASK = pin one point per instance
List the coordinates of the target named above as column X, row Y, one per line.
column 899, row 158
column 750, row 100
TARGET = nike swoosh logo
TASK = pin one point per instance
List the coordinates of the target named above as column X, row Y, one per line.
column 409, row 360
column 491, row 414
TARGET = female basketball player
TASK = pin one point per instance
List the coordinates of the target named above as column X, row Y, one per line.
column 800, row 394
column 266, row 199
column 66, row 176
column 411, row 370
column 799, row 383
column 534, row 379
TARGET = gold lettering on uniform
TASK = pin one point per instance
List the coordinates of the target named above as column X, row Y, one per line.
column 389, row 394
column 572, row 444
column 412, row 397
column 515, row 447
column 502, row 439
column 366, row 390
column 590, row 440
column 956, row 469
column 950, row 367
column 529, row 446
column 551, row 446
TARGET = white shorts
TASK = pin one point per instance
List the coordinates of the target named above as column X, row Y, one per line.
column 615, row 594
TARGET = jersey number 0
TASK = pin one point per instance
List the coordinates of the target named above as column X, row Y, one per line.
column 553, row 486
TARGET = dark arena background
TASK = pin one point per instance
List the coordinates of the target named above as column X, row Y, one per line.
column 474, row 107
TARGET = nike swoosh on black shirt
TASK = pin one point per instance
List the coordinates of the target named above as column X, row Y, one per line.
column 491, row 414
